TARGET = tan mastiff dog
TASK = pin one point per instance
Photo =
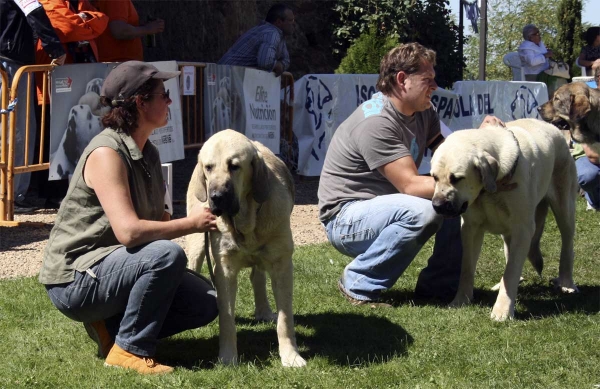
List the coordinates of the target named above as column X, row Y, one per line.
column 467, row 169
column 576, row 106
column 251, row 192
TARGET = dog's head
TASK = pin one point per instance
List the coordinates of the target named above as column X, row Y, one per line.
column 231, row 171
column 575, row 107
column 95, row 85
column 460, row 175
column 82, row 126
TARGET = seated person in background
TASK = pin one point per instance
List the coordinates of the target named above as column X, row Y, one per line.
column 590, row 54
column 263, row 46
column 375, row 206
column 121, row 41
column 110, row 262
column 533, row 53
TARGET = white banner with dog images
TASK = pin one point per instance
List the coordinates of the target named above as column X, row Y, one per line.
column 243, row 99
column 323, row 101
column 75, row 114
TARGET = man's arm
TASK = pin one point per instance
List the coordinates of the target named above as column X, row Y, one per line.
column 38, row 21
column 403, row 174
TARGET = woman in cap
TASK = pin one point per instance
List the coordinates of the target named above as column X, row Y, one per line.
column 109, row 261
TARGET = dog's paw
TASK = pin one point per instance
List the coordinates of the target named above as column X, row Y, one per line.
column 564, row 287
column 293, row 359
column 265, row 316
column 460, row 301
column 502, row 313
column 228, row 359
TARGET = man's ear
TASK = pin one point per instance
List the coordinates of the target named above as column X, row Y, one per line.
column 401, row 77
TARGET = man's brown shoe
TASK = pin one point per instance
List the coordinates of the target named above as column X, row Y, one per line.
column 99, row 334
column 117, row 357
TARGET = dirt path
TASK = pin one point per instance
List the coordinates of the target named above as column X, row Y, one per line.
column 21, row 248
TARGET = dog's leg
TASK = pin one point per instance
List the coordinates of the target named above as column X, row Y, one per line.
column 282, row 280
column 564, row 213
column 226, row 278
column 194, row 244
column 515, row 249
column 472, row 240
column 262, row 309
column 535, row 254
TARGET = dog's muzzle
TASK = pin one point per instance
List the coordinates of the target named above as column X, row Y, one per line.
column 447, row 209
column 222, row 200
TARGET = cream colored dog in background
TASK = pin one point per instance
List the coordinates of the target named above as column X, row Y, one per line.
column 252, row 193
column 467, row 168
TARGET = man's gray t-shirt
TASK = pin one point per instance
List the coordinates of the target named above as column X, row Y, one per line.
column 374, row 135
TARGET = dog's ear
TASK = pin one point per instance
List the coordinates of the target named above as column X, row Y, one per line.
column 200, row 181
column 488, row 170
column 580, row 107
column 260, row 179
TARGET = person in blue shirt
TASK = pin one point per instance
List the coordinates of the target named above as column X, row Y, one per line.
column 263, row 46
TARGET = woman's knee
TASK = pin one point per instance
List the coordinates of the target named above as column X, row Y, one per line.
column 168, row 254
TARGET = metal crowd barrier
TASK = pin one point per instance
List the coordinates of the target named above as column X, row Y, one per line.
column 7, row 160
column 192, row 110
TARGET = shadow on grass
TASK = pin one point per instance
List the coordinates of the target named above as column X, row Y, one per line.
column 345, row 339
column 534, row 301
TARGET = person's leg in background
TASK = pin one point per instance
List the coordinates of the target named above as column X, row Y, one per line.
column 51, row 191
column 588, row 176
column 441, row 276
column 21, row 181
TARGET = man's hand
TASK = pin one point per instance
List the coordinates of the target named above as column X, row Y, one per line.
column 155, row 26
column 278, row 69
column 492, row 121
column 59, row 61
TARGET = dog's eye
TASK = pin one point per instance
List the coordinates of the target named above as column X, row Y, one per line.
column 435, row 178
column 454, row 179
column 233, row 167
column 208, row 168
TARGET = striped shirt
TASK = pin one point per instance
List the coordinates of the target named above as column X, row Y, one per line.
column 259, row 47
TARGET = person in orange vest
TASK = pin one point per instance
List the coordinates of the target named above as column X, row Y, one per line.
column 77, row 23
column 122, row 40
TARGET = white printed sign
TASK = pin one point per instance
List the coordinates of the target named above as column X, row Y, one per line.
column 324, row 101
column 261, row 97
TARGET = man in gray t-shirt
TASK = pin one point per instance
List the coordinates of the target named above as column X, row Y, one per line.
column 373, row 203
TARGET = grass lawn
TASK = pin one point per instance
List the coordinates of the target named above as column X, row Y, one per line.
column 554, row 341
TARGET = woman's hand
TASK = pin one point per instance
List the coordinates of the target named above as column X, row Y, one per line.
column 548, row 54
column 203, row 219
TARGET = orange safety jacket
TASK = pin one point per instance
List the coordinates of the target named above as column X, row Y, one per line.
column 70, row 27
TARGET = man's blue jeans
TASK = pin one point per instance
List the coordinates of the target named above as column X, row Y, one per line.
column 143, row 294
column 588, row 176
column 384, row 235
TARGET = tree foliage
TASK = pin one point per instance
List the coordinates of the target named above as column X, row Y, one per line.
column 569, row 30
column 364, row 55
column 425, row 21
column 506, row 19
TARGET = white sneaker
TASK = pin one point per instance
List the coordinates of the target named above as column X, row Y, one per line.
column 591, row 208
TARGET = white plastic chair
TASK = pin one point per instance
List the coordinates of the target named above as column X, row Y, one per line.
column 583, row 70
column 513, row 61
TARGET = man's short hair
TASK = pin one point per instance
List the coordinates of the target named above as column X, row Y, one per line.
column 406, row 57
column 276, row 12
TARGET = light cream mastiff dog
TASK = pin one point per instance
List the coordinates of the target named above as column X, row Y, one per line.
column 467, row 168
column 252, row 193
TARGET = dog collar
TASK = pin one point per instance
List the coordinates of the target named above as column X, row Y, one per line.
column 513, row 169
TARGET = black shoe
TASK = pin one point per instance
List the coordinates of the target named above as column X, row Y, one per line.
column 353, row 301
column 24, row 207
column 52, row 203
